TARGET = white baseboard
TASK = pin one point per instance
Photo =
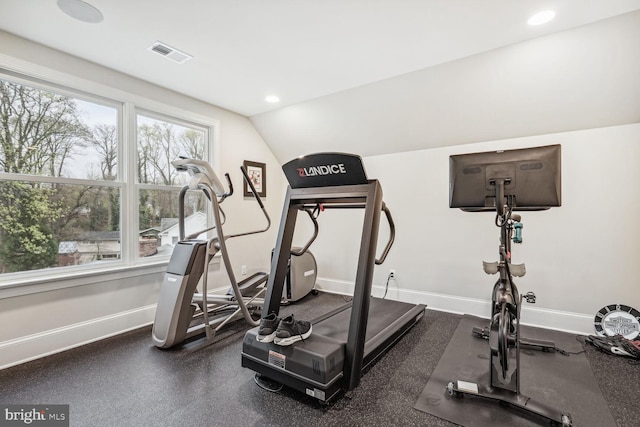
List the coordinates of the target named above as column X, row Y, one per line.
column 25, row 349
column 540, row 317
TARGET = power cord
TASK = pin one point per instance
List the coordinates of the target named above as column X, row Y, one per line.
column 569, row 353
column 386, row 286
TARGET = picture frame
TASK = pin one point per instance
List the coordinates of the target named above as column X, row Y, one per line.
column 258, row 175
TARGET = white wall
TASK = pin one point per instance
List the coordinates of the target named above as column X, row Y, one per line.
column 42, row 323
column 49, row 315
column 579, row 257
column 582, row 78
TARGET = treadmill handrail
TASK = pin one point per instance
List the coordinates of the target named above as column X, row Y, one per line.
column 392, row 235
column 385, row 209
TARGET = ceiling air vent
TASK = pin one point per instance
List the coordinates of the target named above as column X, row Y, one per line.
column 169, row 52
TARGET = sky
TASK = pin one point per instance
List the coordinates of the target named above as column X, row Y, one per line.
column 87, row 163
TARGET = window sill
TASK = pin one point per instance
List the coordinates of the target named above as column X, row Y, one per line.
column 46, row 283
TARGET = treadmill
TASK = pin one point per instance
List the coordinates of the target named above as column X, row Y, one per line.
column 345, row 341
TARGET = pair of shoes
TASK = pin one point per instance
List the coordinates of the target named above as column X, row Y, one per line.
column 283, row 331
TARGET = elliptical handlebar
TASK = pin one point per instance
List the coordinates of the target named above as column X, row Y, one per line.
column 230, row 185
column 205, row 179
column 259, row 200
column 312, row 239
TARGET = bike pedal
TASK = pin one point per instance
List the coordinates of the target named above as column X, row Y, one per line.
column 530, row 297
column 480, row 332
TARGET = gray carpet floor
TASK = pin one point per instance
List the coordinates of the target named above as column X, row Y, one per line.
column 126, row 381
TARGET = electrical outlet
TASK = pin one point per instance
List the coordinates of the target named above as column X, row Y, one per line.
column 244, row 270
column 392, row 274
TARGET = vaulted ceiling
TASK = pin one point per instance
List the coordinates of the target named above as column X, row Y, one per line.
column 367, row 76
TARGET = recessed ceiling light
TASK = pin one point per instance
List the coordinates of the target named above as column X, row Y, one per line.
column 541, row 17
column 272, row 99
column 81, row 11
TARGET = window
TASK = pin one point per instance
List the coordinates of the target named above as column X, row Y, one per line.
column 69, row 176
column 58, row 178
column 159, row 142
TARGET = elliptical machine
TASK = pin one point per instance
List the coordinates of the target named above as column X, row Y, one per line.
column 176, row 319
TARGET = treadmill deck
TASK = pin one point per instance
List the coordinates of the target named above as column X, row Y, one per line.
column 314, row 366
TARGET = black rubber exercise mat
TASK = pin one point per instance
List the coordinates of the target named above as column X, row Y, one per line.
column 563, row 382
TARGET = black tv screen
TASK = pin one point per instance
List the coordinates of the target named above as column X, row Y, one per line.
column 531, row 179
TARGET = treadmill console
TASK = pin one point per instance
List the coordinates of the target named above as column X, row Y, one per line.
column 325, row 170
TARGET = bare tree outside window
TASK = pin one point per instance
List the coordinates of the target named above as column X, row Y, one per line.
column 60, row 183
column 43, row 134
column 159, row 143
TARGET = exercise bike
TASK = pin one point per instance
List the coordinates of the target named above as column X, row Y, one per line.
column 504, row 329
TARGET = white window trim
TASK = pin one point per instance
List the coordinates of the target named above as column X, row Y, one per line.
column 46, row 283
column 23, row 283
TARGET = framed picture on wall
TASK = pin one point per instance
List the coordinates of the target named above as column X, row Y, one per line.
column 258, row 175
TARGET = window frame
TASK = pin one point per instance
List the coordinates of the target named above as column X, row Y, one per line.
column 128, row 106
column 137, row 185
